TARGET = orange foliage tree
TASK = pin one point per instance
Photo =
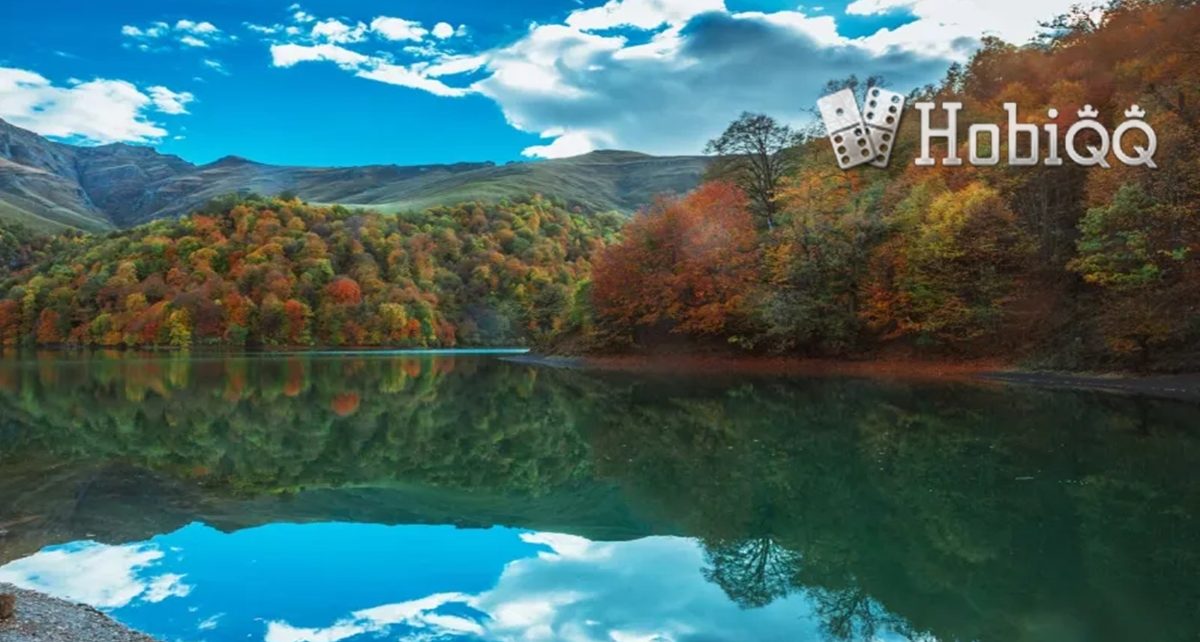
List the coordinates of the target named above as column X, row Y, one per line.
column 690, row 263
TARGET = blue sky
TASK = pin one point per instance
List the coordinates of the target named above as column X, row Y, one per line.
column 399, row 81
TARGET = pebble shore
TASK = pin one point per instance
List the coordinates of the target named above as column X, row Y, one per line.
column 41, row 618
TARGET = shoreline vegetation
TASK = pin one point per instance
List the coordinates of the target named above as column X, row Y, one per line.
column 778, row 254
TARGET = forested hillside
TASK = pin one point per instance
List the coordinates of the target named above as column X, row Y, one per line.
column 1066, row 266
column 279, row 272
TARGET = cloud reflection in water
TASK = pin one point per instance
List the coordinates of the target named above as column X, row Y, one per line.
column 513, row 585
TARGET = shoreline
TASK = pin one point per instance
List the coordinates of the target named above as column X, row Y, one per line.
column 41, row 618
column 1180, row 387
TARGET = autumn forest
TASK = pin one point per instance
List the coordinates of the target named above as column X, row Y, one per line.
column 778, row 252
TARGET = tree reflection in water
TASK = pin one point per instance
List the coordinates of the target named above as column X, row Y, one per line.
column 943, row 510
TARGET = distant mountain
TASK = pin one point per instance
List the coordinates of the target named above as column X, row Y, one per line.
column 50, row 185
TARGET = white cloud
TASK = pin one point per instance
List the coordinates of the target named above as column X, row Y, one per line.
column 454, row 65
column 330, row 39
column 565, row 145
column 264, row 29
column 286, row 55
column 95, row 111
column 587, row 83
column 641, row 14
column 406, row 77
column 418, row 614
column 585, row 86
column 291, row 54
column 189, row 33
column 215, row 65
column 170, row 102
column 648, row 590
column 210, row 623
column 196, row 27
column 165, row 586
column 398, row 28
column 154, row 30
column 939, row 24
column 99, row 575
column 579, row 88
column 336, row 31
column 284, row 632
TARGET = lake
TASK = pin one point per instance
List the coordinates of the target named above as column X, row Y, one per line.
column 330, row 498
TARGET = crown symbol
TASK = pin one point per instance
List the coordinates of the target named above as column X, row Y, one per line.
column 1135, row 112
column 1088, row 112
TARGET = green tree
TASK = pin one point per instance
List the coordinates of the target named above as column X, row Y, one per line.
column 755, row 152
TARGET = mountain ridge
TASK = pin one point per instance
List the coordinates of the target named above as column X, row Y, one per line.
column 50, row 185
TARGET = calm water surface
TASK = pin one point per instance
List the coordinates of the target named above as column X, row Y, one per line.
column 329, row 498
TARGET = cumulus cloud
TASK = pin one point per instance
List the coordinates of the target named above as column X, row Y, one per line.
column 577, row 83
column 579, row 88
column 95, row 111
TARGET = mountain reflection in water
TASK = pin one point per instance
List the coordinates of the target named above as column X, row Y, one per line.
column 325, row 498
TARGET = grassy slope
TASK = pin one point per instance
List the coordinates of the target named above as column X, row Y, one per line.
column 601, row 181
column 597, row 182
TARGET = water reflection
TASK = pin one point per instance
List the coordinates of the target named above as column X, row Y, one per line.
column 494, row 584
column 250, row 496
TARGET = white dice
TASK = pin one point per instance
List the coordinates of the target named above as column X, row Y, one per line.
column 856, row 139
column 883, row 120
column 845, row 128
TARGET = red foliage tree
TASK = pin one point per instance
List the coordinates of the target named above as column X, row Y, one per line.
column 344, row 291
column 47, row 327
column 10, row 322
column 344, row 404
column 297, row 321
